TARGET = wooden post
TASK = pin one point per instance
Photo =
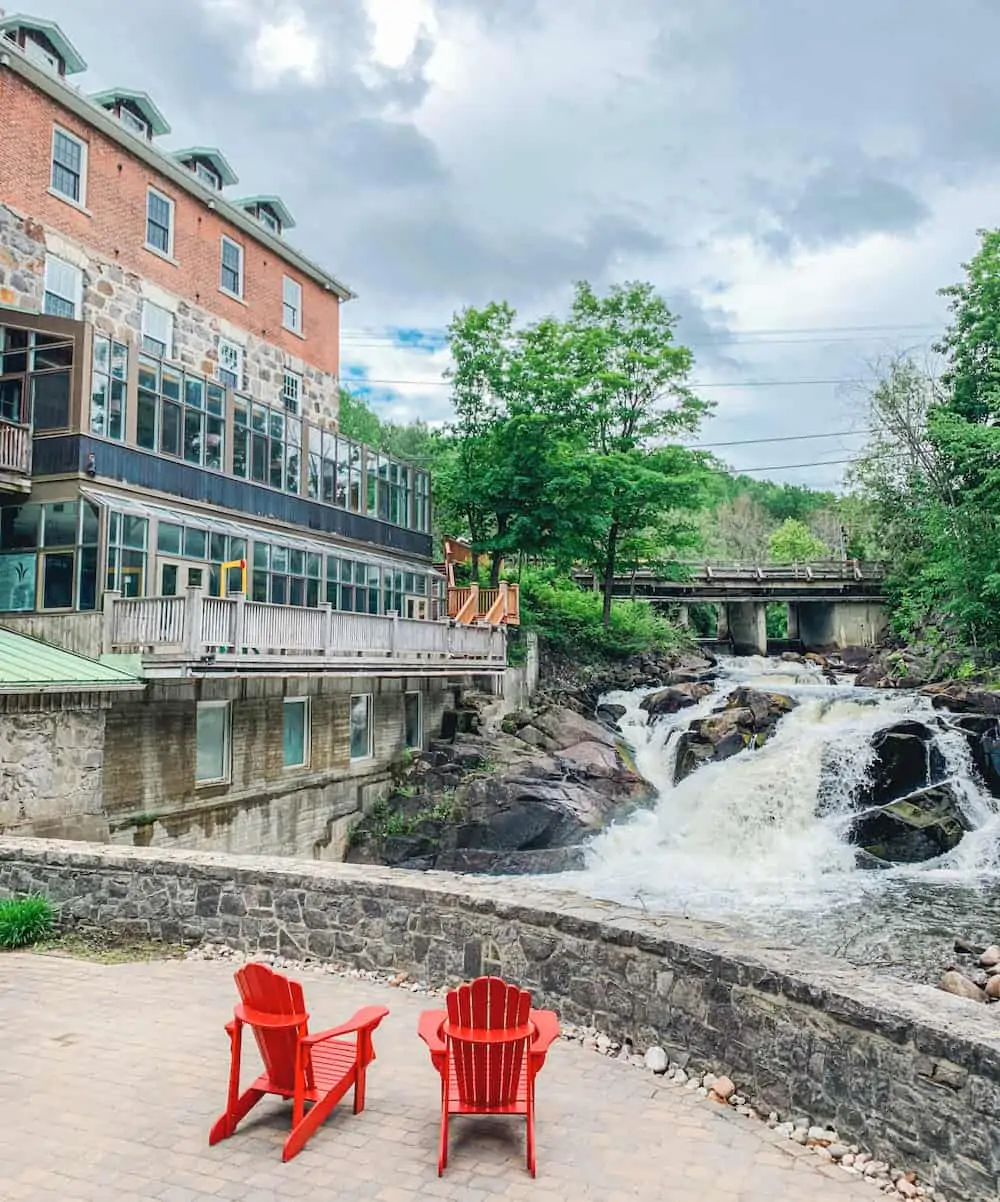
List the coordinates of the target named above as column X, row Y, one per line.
column 394, row 638
column 505, row 598
column 326, row 609
column 192, row 621
column 111, row 597
column 239, row 631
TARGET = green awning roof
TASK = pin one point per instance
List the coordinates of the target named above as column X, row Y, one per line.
column 28, row 665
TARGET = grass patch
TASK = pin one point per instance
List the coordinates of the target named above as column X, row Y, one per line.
column 108, row 947
column 25, row 920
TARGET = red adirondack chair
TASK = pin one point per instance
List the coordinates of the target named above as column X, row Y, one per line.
column 316, row 1068
column 488, row 1046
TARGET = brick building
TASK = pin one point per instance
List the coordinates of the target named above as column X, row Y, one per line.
column 173, row 485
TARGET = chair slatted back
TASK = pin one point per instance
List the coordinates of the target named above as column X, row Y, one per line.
column 263, row 989
column 488, row 1074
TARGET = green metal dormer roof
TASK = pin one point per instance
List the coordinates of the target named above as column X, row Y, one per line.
column 211, row 155
column 274, row 203
column 28, row 665
column 71, row 57
column 141, row 100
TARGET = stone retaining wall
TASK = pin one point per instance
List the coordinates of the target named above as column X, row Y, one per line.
column 910, row 1073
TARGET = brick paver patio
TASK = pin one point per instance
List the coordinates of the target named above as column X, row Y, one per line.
column 110, row 1076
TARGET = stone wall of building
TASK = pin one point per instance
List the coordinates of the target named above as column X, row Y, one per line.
column 912, row 1073
column 151, row 797
column 113, row 298
column 51, row 767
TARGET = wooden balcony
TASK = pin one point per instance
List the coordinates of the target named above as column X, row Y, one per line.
column 15, row 457
column 233, row 634
column 474, row 606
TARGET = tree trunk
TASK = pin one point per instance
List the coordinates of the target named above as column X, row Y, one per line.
column 496, row 558
column 609, row 571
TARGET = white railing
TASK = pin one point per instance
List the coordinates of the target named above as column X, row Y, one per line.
column 15, row 447
column 226, row 629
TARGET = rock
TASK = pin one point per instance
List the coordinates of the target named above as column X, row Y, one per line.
column 800, row 1135
column 748, row 719
column 989, row 956
column 820, row 1135
column 674, row 698
column 906, row 1188
column 993, row 988
column 680, row 1076
column 919, row 827
column 656, row 1060
column 963, row 698
column 905, row 760
column 792, row 657
column 723, row 1089
column 967, row 948
column 603, row 1044
column 905, row 669
column 954, row 982
column 609, row 714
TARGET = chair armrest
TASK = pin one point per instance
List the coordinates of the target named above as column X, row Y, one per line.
column 366, row 1019
column 429, row 1029
column 547, row 1031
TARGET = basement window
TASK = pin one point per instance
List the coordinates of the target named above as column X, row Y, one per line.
column 295, row 741
column 362, row 744
column 212, row 762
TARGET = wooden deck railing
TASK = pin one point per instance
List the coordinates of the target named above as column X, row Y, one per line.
column 15, row 448
column 486, row 606
column 227, row 630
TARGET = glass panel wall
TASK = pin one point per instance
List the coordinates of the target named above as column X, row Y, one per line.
column 48, row 556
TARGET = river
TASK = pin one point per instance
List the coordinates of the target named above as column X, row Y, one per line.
column 743, row 841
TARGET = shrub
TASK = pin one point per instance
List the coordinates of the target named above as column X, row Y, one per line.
column 25, row 920
column 569, row 619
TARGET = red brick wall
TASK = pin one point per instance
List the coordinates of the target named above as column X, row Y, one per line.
column 116, row 226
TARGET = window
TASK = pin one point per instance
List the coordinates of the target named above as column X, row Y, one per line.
column 268, row 220
column 413, row 720
column 212, row 755
column 127, row 540
column 208, row 175
column 231, row 280
column 69, row 166
column 361, row 726
column 352, row 585
column 285, row 576
column 157, row 331
column 41, row 56
column 180, row 413
column 35, row 371
column 230, row 363
column 334, row 470
column 138, row 125
column 204, row 546
column 107, row 397
column 296, row 733
column 63, row 288
column 291, row 391
column 51, row 548
column 267, row 445
column 421, row 502
column 159, row 223
column 291, row 295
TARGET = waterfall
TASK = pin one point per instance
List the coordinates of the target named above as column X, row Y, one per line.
column 761, row 839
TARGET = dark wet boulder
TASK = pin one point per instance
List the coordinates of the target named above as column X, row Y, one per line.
column 906, row 760
column 962, row 698
column 610, row 714
column 748, row 719
column 920, row 827
column 983, row 735
column 674, row 698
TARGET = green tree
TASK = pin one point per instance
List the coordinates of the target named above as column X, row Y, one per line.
column 794, row 542
column 356, row 420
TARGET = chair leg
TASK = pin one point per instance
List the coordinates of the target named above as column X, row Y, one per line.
column 531, row 1144
column 443, row 1147
column 226, row 1124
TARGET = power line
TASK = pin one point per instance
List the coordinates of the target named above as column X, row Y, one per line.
column 748, row 442
column 697, row 385
column 787, row 467
column 379, row 333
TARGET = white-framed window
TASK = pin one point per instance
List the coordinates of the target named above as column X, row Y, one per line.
column 69, row 165
column 157, row 330
column 231, row 273
column 208, row 175
column 291, row 305
column 291, row 391
column 413, row 720
column 268, row 220
column 160, row 223
column 138, row 125
column 230, row 364
column 40, row 55
column 295, row 732
column 212, row 757
column 63, row 288
column 362, row 741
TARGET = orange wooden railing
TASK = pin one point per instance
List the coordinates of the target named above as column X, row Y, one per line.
column 485, row 606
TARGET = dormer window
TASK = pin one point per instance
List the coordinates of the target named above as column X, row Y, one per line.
column 269, row 221
column 43, row 43
column 135, row 110
column 269, row 212
column 207, row 165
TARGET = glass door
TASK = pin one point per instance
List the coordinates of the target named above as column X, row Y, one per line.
column 176, row 577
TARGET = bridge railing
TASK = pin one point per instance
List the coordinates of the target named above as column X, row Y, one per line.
column 818, row 570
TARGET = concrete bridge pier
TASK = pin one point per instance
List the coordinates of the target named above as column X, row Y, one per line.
column 747, row 624
column 822, row 625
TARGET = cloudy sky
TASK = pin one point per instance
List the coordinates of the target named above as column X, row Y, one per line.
column 798, row 177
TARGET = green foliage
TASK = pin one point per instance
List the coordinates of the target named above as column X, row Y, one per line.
column 570, row 621
column 356, row 420
column 25, row 920
column 794, row 542
column 776, row 617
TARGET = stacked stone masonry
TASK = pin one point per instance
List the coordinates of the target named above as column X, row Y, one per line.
column 911, row 1073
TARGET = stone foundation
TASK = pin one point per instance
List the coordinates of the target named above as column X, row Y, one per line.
column 910, row 1072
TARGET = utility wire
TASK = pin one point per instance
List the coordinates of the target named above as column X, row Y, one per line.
column 379, row 333
column 749, row 442
column 361, row 381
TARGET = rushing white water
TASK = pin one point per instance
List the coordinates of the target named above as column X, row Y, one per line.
column 760, row 839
